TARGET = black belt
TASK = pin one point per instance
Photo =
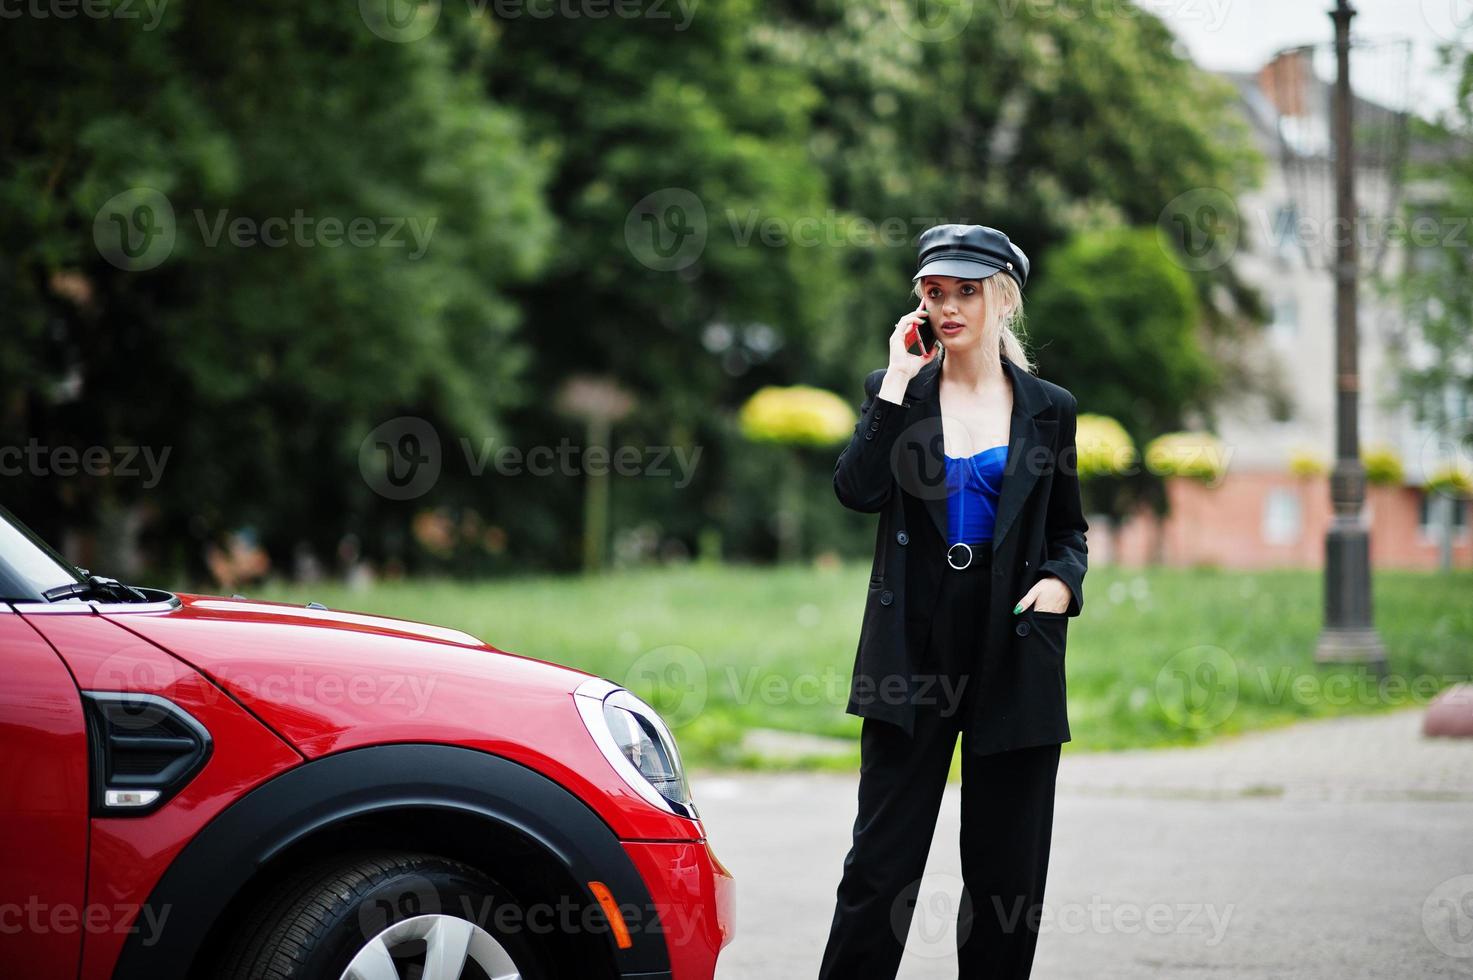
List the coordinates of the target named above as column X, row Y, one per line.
column 962, row 555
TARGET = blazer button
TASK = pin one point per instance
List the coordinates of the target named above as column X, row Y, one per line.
column 1025, row 562
column 874, row 426
column 902, row 537
column 887, row 597
column 1022, row 628
column 869, row 435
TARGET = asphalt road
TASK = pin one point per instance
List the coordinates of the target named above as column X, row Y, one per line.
column 1336, row 850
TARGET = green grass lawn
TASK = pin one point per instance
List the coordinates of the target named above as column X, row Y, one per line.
column 1160, row 657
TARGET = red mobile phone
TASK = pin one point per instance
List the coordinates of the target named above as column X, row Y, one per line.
column 924, row 335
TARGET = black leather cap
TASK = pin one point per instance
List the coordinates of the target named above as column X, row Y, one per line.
column 970, row 252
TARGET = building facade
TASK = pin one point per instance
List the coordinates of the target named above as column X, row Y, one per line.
column 1270, row 509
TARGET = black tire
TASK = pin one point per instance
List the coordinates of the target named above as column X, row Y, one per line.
column 312, row 924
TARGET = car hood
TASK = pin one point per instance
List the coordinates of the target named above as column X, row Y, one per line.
column 324, row 677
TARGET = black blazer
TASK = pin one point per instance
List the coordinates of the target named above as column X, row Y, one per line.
column 894, row 466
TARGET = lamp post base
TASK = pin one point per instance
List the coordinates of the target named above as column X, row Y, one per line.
column 1351, row 645
column 1348, row 635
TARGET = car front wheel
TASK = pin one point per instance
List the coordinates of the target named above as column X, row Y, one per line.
column 385, row 916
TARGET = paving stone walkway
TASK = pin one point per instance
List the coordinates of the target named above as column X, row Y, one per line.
column 1338, row 849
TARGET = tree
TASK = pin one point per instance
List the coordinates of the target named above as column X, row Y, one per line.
column 1433, row 286
column 233, row 318
column 1118, row 324
column 1041, row 121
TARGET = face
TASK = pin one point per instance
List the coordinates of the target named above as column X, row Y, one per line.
column 958, row 312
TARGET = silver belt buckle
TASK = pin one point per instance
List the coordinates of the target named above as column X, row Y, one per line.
column 959, row 544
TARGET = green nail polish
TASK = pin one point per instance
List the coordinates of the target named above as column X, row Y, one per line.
column 1018, row 607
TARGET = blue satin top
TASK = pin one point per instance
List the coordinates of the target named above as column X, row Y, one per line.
column 972, row 486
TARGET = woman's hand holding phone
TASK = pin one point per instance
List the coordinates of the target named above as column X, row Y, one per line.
column 903, row 364
column 908, row 334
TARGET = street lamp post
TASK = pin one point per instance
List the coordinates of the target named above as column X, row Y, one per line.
column 1349, row 634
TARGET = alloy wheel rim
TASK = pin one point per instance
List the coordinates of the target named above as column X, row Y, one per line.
column 450, row 943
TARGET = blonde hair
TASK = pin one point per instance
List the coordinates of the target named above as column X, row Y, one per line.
column 1000, row 292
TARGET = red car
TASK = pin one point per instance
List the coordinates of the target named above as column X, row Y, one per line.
column 225, row 789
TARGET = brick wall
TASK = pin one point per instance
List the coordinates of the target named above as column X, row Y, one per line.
column 1267, row 520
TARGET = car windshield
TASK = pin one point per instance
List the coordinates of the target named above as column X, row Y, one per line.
column 28, row 565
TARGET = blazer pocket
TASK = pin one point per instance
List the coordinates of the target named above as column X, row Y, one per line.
column 1047, row 637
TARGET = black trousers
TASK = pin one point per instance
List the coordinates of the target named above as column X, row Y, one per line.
column 1007, row 810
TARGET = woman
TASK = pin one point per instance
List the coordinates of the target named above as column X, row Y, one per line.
column 979, row 564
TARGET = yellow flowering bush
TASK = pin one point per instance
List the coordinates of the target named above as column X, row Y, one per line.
column 1451, row 480
column 1383, row 465
column 796, row 415
column 1105, row 448
column 1307, row 462
column 1199, row 455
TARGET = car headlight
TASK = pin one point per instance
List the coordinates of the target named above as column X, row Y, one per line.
column 637, row 743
